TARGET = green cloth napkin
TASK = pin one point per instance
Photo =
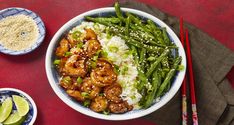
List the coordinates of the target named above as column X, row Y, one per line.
column 211, row 63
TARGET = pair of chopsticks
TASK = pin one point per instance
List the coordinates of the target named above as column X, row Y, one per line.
column 186, row 45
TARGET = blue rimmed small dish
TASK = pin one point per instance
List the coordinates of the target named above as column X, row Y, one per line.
column 41, row 28
column 32, row 114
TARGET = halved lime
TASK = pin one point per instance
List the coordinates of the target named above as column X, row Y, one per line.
column 14, row 119
column 5, row 109
column 21, row 104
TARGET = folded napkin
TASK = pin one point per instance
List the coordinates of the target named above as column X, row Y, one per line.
column 211, row 63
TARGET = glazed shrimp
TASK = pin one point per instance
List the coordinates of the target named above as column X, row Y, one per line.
column 121, row 107
column 75, row 94
column 92, row 46
column 78, row 51
column 90, row 34
column 63, row 48
column 90, row 88
column 103, row 74
column 113, row 92
column 69, row 83
column 103, row 63
column 75, row 66
column 99, row 104
column 71, row 40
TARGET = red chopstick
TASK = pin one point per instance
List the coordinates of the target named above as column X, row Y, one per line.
column 183, row 89
column 191, row 79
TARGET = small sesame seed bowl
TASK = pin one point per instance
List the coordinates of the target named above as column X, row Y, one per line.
column 18, row 37
column 31, row 116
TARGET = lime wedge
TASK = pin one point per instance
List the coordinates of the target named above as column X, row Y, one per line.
column 21, row 105
column 5, row 109
column 14, row 119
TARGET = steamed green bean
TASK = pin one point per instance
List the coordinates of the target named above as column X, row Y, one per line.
column 155, row 64
column 170, row 74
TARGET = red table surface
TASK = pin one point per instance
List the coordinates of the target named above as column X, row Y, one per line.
column 27, row 72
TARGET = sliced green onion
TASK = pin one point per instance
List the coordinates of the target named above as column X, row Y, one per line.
column 133, row 97
column 80, row 44
column 106, row 112
column 124, row 70
column 158, row 32
column 57, row 62
column 85, row 94
column 149, row 90
column 104, row 53
column 95, row 58
column 98, row 52
column 67, row 79
column 79, row 80
column 101, row 94
column 93, row 64
column 113, row 49
column 127, row 54
column 86, row 103
column 67, row 54
column 76, row 35
column 116, row 69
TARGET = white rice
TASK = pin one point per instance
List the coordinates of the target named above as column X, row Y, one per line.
column 120, row 57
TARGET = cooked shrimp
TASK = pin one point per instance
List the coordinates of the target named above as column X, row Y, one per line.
column 113, row 92
column 92, row 46
column 99, row 104
column 103, row 74
column 75, row 94
column 63, row 48
column 78, row 51
column 71, row 40
column 90, row 34
column 69, row 83
column 121, row 107
column 90, row 88
column 75, row 66
column 103, row 63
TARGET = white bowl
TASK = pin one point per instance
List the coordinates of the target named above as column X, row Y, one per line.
column 53, row 76
column 32, row 114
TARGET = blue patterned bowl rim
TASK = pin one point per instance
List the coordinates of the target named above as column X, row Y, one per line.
column 32, row 115
column 54, row 79
column 41, row 27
